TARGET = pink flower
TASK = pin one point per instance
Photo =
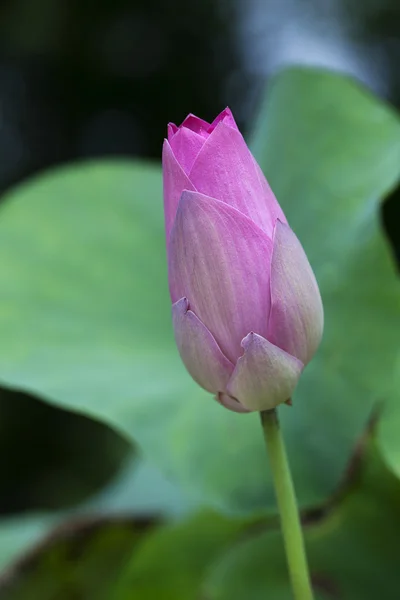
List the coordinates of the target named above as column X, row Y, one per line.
column 247, row 311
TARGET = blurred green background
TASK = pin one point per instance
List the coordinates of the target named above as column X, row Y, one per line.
column 120, row 478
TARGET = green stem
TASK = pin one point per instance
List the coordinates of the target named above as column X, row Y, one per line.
column 287, row 504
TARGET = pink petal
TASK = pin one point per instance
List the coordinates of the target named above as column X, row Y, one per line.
column 186, row 144
column 273, row 207
column 196, row 124
column 174, row 181
column 221, row 261
column 231, row 403
column 199, row 351
column 172, row 129
column 226, row 117
column 224, row 169
column 297, row 319
column 264, row 376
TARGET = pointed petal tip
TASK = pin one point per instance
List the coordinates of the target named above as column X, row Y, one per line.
column 264, row 376
column 225, row 117
column 182, row 306
column 186, row 199
column 247, row 340
column 186, row 144
column 225, row 169
column 190, row 196
column 196, row 124
column 230, row 403
column 171, row 130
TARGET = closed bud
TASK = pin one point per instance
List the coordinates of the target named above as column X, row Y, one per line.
column 247, row 311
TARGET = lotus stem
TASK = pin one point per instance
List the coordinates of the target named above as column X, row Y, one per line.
column 287, row 505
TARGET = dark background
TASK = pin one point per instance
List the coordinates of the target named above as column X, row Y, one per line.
column 82, row 79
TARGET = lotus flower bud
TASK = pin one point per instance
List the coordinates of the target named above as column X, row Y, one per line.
column 247, row 312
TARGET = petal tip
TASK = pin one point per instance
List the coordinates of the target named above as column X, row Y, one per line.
column 230, row 403
column 171, row 130
column 265, row 376
column 181, row 306
column 196, row 124
column 226, row 117
column 166, row 144
column 247, row 340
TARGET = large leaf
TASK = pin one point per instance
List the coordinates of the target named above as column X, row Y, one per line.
column 172, row 561
column 61, row 461
column 85, row 313
column 17, row 534
column 389, row 426
column 85, row 318
column 138, row 490
column 79, row 560
column 352, row 548
column 121, row 558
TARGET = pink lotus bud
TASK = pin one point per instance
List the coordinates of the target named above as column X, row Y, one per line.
column 247, row 311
